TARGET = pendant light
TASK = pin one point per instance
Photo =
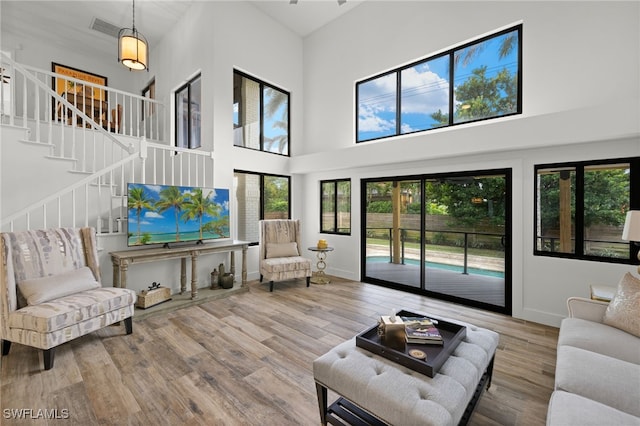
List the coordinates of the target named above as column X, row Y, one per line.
column 133, row 49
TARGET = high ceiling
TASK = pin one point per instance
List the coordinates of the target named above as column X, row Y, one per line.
column 69, row 23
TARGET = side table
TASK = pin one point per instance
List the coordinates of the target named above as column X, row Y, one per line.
column 321, row 254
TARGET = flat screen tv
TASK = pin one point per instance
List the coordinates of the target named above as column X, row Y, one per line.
column 165, row 214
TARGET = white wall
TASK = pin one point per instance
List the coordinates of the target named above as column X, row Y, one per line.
column 581, row 101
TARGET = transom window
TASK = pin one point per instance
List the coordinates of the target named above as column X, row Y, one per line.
column 486, row 75
column 260, row 115
column 581, row 209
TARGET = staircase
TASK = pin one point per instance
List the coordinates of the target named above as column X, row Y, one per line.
column 62, row 167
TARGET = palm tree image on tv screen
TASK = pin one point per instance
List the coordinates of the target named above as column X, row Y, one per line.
column 164, row 214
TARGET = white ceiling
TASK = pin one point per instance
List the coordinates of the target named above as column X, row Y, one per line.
column 68, row 23
column 306, row 16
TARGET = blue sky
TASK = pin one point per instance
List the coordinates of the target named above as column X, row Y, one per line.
column 164, row 222
column 425, row 89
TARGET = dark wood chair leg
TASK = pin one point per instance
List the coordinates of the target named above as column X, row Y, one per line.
column 128, row 325
column 270, row 285
column 308, row 281
column 322, row 402
column 6, row 345
column 48, row 358
column 261, row 277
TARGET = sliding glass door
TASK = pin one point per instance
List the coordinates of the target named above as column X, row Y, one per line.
column 441, row 235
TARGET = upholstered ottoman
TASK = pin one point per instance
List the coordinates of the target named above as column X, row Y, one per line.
column 390, row 393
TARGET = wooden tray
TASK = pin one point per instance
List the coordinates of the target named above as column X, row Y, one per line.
column 452, row 334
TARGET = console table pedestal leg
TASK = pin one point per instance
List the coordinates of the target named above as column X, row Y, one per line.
column 244, row 266
column 183, row 275
column 194, row 276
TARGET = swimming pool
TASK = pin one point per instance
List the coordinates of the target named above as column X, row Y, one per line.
column 445, row 266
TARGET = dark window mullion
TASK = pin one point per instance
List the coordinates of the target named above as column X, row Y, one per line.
column 189, row 115
column 423, row 230
column 261, row 196
column 634, row 200
column 261, row 107
column 580, row 210
column 398, row 103
column 335, row 208
column 451, row 88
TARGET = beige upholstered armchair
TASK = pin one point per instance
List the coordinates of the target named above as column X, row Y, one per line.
column 50, row 291
column 280, row 251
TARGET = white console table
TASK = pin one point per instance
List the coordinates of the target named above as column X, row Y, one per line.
column 122, row 259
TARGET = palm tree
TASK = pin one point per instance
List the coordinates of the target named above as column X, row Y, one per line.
column 277, row 100
column 219, row 226
column 138, row 201
column 171, row 197
column 506, row 47
column 197, row 206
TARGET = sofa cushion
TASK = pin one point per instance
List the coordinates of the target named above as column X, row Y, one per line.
column 590, row 335
column 42, row 252
column 567, row 409
column 282, row 250
column 608, row 380
column 624, row 309
column 66, row 311
column 40, row 290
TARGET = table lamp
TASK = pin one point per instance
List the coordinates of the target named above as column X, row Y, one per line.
column 631, row 231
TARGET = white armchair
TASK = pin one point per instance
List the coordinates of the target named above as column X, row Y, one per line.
column 50, row 291
column 280, row 252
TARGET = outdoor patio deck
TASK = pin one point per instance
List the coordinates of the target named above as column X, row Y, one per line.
column 476, row 287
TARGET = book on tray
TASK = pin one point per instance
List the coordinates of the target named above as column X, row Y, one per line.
column 421, row 330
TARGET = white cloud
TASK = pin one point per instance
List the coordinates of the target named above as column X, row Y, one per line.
column 153, row 215
column 424, row 91
column 369, row 122
column 378, row 95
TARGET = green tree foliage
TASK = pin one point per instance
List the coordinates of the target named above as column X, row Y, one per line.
column 218, row 226
column 471, row 200
column 276, row 194
column 606, row 198
column 171, row 197
column 480, row 96
column 138, row 201
column 197, row 206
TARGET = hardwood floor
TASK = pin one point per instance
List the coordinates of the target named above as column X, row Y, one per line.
column 246, row 360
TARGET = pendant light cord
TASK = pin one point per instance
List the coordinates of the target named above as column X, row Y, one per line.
column 134, row 15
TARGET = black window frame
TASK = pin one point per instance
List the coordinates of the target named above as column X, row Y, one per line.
column 262, row 198
column 149, row 92
column 451, row 112
column 176, row 93
column 335, row 183
column 579, row 168
column 262, row 84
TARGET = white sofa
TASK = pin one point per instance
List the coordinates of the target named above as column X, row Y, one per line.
column 597, row 379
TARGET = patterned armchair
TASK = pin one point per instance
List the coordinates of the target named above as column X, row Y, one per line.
column 50, row 290
column 280, row 252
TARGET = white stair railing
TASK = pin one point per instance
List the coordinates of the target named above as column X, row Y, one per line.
column 100, row 200
column 91, row 134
